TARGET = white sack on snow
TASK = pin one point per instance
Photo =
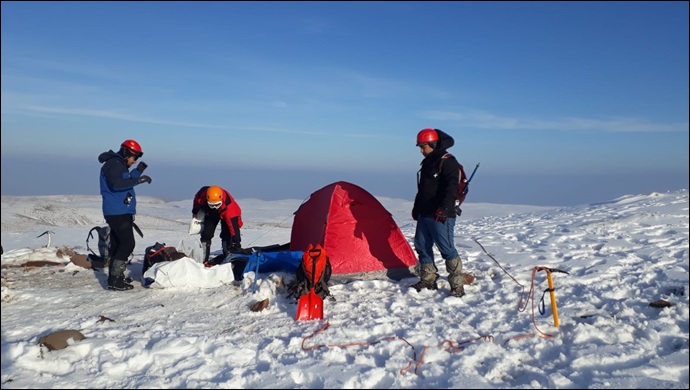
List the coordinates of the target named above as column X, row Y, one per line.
column 192, row 248
column 186, row 272
column 197, row 223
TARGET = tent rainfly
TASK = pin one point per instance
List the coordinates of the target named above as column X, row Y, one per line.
column 359, row 235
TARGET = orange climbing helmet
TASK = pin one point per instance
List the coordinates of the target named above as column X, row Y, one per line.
column 214, row 197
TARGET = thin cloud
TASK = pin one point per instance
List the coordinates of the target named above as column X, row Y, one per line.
column 89, row 71
column 484, row 120
column 114, row 115
column 140, row 119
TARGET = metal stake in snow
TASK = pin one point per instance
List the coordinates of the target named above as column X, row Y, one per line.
column 48, row 232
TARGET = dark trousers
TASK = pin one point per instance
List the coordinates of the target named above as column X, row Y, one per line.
column 121, row 235
column 211, row 220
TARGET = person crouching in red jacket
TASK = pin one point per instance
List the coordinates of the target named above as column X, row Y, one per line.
column 219, row 206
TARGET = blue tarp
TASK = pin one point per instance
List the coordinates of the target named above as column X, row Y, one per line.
column 272, row 261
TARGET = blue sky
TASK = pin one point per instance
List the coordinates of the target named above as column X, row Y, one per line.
column 560, row 102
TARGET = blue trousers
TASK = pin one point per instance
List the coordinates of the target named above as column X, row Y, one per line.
column 430, row 232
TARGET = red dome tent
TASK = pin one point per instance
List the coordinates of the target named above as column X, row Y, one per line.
column 359, row 235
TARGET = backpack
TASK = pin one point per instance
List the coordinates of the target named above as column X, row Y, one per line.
column 462, row 184
column 303, row 281
column 103, row 243
column 158, row 253
column 103, row 233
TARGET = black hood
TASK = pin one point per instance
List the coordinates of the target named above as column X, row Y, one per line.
column 445, row 141
column 105, row 156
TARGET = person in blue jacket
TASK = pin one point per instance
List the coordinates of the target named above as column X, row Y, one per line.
column 120, row 205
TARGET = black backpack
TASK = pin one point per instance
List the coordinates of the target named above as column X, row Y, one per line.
column 303, row 281
column 157, row 253
column 103, row 234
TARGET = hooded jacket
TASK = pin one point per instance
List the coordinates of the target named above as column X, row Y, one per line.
column 437, row 190
column 117, row 184
column 228, row 210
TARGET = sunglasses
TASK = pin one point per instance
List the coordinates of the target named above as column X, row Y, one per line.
column 134, row 155
column 215, row 205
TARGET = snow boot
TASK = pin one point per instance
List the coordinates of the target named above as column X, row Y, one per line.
column 118, row 284
column 116, row 276
column 206, row 246
column 235, row 247
column 428, row 274
column 455, row 277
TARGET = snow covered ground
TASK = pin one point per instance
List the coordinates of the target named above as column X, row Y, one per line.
column 619, row 255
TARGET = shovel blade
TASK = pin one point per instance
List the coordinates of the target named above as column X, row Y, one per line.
column 310, row 307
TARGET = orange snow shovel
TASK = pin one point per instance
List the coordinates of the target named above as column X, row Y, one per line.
column 310, row 306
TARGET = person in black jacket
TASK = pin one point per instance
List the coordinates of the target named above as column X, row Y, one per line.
column 120, row 205
column 434, row 211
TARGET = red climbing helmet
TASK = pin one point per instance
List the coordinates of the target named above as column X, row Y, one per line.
column 132, row 147
column 427, row 135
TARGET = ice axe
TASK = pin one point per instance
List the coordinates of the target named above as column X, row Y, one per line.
column 551, row 289
column 458, row 210
column 467, row 183
column 310, row 306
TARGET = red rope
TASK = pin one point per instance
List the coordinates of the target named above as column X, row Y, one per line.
column 452, row 347
column 529, row 295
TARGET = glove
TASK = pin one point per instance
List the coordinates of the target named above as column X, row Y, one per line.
column 142, row 165
column 441, row 215
column 144, row 179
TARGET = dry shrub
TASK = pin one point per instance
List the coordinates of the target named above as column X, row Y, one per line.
column 64, row 251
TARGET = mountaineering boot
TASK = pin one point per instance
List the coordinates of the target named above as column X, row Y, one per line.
column 116, row 276
column 428, row 274
column 458, row 291
column 206, row 246
column 237, row 248
column 227, row 247
column 455, row 277
column 118, row 284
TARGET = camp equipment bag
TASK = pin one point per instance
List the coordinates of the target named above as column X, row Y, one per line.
column 311, row 269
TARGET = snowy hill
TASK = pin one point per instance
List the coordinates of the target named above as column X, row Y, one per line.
column 617, row 256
